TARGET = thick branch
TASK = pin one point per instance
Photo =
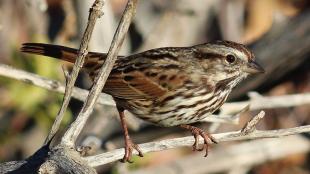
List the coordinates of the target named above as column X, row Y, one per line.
column 94, row 13
column 76, row 127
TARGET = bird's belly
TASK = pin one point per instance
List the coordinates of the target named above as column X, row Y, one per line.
column 179, row 110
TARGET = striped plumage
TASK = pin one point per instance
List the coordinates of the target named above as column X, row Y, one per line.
column 168, row 86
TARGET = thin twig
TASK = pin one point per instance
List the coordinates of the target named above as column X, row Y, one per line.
column 66, row 74
column 52, row 85
column 94, row 13
column 250, row 126
column 258, row 103
column 117, row 154
column 76, row 127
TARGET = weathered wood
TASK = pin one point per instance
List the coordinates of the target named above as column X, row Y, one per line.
column 64, row 158
column 57, row 160
column 30, row 165
column 94, row 13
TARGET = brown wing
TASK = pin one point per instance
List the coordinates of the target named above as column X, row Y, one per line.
column 144, row 79
column 134, row 85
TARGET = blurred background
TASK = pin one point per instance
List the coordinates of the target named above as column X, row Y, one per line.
column 278, row 32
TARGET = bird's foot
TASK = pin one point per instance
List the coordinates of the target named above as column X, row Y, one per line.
column 129, row 147
column 196, row 132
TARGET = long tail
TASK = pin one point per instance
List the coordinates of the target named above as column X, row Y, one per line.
column 61, row 52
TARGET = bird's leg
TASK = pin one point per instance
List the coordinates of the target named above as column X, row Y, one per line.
column 196, row 132
column 129, row 145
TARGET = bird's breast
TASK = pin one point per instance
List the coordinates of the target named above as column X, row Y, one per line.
column 183, row 106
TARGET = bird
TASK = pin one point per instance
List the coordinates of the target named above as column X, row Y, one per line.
column 168, row 86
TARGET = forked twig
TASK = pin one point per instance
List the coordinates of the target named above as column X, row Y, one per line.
column 76, row 127
column 94, row 13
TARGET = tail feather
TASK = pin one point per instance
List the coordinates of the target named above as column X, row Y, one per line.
column 58, row 52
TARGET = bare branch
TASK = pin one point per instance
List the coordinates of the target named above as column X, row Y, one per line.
column 117, row 154
column 224, row 118
column 221, row 118
column 49, row 84
column 66, row 74
column 94, row 13
column 242, row 155
column 76, row 127
column 258, row 103
column 250, row 126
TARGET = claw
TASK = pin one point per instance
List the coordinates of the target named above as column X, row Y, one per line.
column 196, row 132
column 129, row 147
column 202, row 148
column 195, row 145
column 213, row 139
column 137, row 148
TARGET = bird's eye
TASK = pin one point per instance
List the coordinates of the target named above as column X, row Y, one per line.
column 230, row 58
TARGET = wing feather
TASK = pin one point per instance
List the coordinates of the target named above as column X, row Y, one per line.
column 134, row 85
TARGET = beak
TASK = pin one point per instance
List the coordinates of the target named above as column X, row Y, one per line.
column 253, row 68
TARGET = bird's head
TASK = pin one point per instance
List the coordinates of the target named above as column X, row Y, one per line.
column 223, row 60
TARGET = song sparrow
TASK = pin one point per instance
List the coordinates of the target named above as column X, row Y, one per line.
column 167, row 86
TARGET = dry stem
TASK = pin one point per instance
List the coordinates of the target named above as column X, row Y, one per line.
column 76, row 127
column 94, row 13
